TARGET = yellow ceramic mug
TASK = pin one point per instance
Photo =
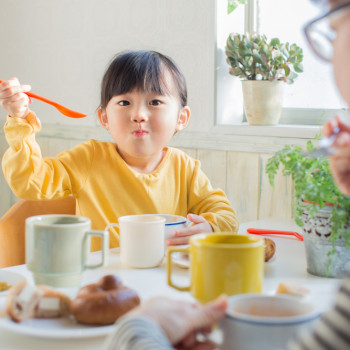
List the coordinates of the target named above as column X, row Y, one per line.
column 222, row 263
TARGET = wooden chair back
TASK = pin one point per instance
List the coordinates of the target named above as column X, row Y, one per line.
column 12, row 226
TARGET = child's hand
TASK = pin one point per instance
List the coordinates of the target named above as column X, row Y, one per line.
column 13, row 99
column 199, row 225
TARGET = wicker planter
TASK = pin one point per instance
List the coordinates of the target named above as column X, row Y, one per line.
column 317, row 230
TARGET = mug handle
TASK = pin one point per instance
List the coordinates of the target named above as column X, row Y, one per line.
column 105, row 248
column 169, row 270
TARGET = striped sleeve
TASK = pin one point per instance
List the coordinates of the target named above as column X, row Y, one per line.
column 137, row 333
column 333, row 330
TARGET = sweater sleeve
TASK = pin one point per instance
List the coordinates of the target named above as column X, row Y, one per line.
column 211, row 203
column 332, row 332
column 33, row 177
column 137, row 333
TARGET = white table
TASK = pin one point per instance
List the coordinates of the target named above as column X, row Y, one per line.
column 289, row 265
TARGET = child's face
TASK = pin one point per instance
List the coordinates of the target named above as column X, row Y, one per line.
column 142, row 123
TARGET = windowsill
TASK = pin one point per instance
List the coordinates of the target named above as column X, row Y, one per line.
column 279, row 130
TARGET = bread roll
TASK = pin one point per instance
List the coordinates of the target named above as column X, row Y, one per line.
column 103, row 302
column 52, row 303
column 270, row 249
column 22, row 300
column 292, row 289
column 28, row 301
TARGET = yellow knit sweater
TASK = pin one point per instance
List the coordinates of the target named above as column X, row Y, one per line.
column 105, row 187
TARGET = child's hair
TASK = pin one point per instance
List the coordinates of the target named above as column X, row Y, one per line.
column 142, row 70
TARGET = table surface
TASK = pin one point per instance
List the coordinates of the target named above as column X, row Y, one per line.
column 289, row 265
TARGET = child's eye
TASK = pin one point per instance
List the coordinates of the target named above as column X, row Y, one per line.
column 123, row 103
column 155, row 103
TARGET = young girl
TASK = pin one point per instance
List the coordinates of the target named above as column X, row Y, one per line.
column 143, row 104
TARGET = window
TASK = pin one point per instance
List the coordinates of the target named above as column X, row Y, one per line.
column 312, row 96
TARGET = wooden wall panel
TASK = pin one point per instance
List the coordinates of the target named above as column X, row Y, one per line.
column 5, row 191
column 192, row 152
column 242, row 185
column 44, row 145
column 213, row 163
column 274, row 202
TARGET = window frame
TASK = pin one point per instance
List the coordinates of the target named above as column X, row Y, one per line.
column 293, row 117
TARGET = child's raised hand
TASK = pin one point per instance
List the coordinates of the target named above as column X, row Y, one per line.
column 199, row 225
column 13, row 99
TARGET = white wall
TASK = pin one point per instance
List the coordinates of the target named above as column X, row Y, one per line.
column 62, row 48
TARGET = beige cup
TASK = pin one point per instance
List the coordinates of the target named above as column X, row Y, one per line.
column 141, row 239
column 58, row 246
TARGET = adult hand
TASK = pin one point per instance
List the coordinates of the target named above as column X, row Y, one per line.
column 340, row 161
column 13, row 99
column 199, row 225
column 182, row 320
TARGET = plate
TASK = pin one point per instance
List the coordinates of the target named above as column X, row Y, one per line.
column 10, row 278
column 181, row 261
column 64, row 327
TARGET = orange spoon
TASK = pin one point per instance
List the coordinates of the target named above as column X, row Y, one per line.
column 64, row 110
column 259, row 231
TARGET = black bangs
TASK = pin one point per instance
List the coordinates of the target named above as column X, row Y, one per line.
column 140, row 70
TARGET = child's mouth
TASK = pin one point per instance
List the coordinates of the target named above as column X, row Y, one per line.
column 140, row 133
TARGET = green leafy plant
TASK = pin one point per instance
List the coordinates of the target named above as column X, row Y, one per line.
column 233, row 4
column 253, row 57
column 313, row 183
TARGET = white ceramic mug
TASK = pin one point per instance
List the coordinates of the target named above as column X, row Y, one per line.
column 141, row 239
column 58, row 246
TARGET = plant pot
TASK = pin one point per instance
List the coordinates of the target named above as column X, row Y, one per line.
column 317, row 230
column 263, row 101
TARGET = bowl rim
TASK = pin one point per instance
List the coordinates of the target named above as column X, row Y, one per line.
column 275, row 320
column 182, row 220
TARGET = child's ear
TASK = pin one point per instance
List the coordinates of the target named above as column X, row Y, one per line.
column 102, row 116
column 183, row 119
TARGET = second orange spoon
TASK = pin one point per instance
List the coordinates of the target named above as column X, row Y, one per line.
column 64, row 110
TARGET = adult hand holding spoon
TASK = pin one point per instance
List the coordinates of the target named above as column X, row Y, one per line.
column 340, row 160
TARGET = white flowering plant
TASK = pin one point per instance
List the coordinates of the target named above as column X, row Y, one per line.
column 253, row 57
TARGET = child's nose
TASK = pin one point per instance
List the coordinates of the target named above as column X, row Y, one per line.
column 139, row 119
column 140, row 115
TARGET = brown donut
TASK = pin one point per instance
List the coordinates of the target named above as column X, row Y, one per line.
column 270, row 249
column 103, row 302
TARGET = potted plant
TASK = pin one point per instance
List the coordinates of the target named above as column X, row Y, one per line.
column 319, row 207
column 263, row 66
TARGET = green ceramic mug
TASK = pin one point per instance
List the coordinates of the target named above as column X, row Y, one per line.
column 58, row 246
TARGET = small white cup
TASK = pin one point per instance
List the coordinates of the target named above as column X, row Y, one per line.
column 141, row 239
column 173, row 223
column 58, row 246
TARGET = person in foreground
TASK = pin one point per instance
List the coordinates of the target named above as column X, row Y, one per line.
column 143, row 104
column 166, row 324
column 161, row 323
